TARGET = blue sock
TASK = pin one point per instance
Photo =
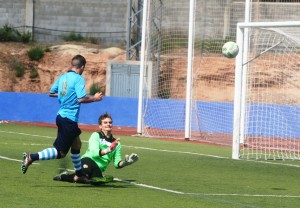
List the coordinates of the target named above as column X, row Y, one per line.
column 48, row 154
column 76, row 161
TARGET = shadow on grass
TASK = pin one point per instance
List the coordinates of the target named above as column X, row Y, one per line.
column 114, row 184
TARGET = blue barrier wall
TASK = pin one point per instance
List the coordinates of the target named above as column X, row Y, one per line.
column 270, row 120
column 31, row 107
column 217, row 117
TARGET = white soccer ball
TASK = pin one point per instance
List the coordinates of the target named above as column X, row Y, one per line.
column 230, row 49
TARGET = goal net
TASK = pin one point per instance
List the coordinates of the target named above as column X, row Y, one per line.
column 267, row 98
column 212, row 75
column 203, row 95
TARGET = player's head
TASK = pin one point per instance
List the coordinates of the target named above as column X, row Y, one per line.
column 78, row 62
column 103, row 117
column 105, row 122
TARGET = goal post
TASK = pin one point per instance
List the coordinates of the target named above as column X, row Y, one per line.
column 266, row 117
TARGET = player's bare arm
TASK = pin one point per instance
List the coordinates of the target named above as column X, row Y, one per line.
column 88, row 99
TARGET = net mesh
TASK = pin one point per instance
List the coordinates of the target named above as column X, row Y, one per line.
column 272, row 98
column 212, row 86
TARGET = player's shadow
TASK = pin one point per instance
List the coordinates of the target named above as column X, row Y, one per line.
column 113, row 184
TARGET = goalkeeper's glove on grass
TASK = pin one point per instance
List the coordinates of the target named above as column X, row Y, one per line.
column 111, row 147
column 130, row 159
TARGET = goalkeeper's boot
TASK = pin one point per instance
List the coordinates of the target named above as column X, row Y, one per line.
column 27, row 161
column 58, row 177
column 108, row 178
column 101, row 180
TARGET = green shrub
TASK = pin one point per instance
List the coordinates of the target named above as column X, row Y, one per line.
column 8, row 33
column 26, row 37
column 92, row 40
column 72, row 37
column 33, row 74
column 19, row 68
column 79, row 38
column 94, row 89
column 35, row 53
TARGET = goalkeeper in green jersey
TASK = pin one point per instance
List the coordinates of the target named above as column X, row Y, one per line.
column 102, row 149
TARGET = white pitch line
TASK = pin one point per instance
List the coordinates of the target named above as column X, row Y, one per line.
column 178, row 192
column 172, row 151
column 31, row 144
column 34, row 135
column 12, row 159
column 203, row 194
column 246, row 195
column 199, row 194
column 148, row 186
column 214, row 156
column 16, row 160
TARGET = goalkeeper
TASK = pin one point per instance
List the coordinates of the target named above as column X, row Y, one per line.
column 102, row 149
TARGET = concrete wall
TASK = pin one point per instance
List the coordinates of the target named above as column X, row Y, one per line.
column 95, row 18
column 107, row 19
column 12, row 12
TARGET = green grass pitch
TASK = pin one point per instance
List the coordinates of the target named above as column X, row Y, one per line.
column 168, row 174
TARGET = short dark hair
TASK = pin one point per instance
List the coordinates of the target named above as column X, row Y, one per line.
column 78, row 61
column 104, row 116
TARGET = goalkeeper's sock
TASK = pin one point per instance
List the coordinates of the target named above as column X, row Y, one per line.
column 46, row 154
column 75, row 157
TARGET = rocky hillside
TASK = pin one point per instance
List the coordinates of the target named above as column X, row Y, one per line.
column 54, row 62
column 213, row 78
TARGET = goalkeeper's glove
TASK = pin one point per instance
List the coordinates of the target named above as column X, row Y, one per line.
column 111, row 147
column 130, row 159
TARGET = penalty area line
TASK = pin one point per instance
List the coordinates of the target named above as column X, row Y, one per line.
column 204, row 194
column 25, row 134
column 16, row 160
column 247, row 195
column 148, row 186
column 169, row 151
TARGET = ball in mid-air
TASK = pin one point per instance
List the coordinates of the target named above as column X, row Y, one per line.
column 230, row 49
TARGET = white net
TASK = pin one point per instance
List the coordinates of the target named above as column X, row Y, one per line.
column 167, row 47
column 272, row 94
column 212, row 86
column 212, row 76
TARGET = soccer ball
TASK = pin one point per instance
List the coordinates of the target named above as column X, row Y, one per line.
column 230, row 49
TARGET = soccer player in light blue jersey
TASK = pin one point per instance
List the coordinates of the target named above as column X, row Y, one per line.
column 70, row 90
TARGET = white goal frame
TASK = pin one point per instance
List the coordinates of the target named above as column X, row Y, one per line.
column 241, row 63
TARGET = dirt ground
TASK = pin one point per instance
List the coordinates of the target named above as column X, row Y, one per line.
column 54, row 62
column 213, row 77
column 57, row 60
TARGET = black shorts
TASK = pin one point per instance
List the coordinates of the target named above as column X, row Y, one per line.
column 67, row 132
column 90, row 168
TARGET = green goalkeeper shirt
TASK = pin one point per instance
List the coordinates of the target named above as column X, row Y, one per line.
column 98, row 141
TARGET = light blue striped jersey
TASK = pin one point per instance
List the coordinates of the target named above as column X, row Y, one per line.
column 70, row 87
